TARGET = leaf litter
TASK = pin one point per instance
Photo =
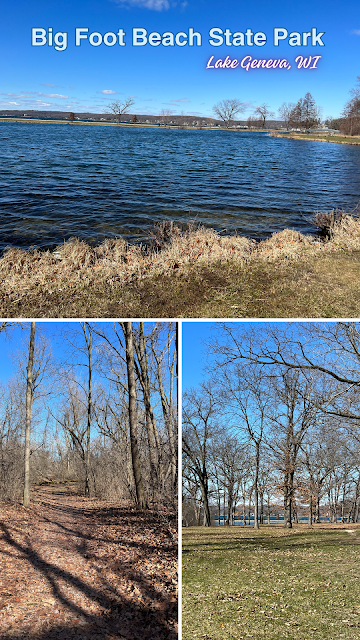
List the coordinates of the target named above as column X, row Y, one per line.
column 73, row 568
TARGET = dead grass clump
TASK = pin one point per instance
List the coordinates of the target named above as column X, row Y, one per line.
column 286, row 244
column 345, row 233
column 203, row 245
column 326, row 221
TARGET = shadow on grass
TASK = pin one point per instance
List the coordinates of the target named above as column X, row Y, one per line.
column 275, row 543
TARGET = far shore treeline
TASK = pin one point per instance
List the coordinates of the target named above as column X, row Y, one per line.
column 304, row 115
column 168, row 119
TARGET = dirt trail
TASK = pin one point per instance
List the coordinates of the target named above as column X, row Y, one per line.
column 76, row 568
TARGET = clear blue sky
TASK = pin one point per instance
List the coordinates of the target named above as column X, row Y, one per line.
column 195, row 357
column 16, row 340
column 86, row 78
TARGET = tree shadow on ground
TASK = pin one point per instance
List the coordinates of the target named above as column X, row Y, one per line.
column 121, row 618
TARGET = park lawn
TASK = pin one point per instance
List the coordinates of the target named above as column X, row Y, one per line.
column 273, row 583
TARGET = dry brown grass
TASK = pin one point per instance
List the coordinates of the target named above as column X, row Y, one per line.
column 77, row 268
column 114, row 261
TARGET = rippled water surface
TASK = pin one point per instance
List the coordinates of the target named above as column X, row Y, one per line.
column 59, row 181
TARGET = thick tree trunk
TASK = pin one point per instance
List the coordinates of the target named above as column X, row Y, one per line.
column 29, row 405
column 207, row 517
column 139, row 487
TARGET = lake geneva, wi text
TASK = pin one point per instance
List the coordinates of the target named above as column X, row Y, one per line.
column 248, row 63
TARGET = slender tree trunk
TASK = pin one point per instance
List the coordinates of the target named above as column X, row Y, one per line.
column 154, row 441
column 29, row 404
column 88, row 340
column 256, row 489
column 261, row 507
column 139, row 487
column 249, row 507
column 288, row 495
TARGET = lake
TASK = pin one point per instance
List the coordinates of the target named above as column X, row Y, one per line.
column 61, row 181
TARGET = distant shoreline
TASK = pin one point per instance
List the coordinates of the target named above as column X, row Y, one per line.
column 335, row 139
column 132, row 125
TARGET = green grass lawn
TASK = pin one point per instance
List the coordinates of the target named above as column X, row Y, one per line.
column 274, row 583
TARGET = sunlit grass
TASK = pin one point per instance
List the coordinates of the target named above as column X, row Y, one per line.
column 274, row 584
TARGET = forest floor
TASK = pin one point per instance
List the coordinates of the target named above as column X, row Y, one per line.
column 274, row 583
column 74, row 568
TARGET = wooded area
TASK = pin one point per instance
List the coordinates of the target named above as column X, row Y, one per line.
column 88, row 480
column 271, row 435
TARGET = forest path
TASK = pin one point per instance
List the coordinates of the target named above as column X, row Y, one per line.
column 76, row 568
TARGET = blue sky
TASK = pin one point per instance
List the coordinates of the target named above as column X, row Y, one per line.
column 87, row 78
column 16, row 340
column 195, row 357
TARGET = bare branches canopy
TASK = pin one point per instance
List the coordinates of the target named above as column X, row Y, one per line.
column 118, row 107
column 226, row 110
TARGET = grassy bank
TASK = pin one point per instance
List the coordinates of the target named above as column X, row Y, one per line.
column 275, row 584
column 191, row 273
column 339, row 139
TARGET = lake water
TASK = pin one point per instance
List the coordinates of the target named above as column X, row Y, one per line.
column 59, row 181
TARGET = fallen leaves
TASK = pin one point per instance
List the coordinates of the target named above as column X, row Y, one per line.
column 70, row 562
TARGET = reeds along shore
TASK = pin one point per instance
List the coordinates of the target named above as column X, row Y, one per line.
column 116, row 262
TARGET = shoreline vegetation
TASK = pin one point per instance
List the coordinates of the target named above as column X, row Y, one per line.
column 289, row 135
column 317, row 137
column 191, row 272
column 131, row 125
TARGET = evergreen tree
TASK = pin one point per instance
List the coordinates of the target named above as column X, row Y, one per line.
column 305, row 115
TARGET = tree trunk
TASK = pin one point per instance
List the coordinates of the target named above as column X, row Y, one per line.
column 288, row 494
column 88, row 340
column 204, row 495
column 29, row 405
column 261, row 507
column 139, row 487
column 256, row 489
column 154, row 441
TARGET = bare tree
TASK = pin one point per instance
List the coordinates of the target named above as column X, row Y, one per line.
column 165, row 115
column 29, row 406
column 350, row 122
column 118, row 107
column 264, row 113
column 226, row 110
column 285, row 112
column 244, row 396
column 140, row 493
column 199, row 409
column 89, row 346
